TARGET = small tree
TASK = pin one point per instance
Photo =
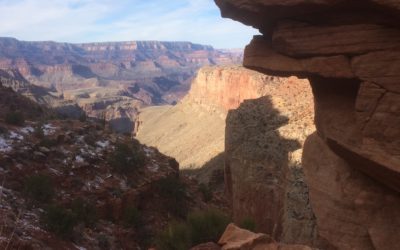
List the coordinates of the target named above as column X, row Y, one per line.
column 207, row 226
column 127, row 158
column 200, row 227
column 39, row 188
column 15, row 118
column 84, row 212
column 173, row 192
column 175, row 237
column 132, row 217
column 59, row 220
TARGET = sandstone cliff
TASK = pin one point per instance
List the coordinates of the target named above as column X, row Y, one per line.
column 350, row 53
column 263, row 170
column 193, row 131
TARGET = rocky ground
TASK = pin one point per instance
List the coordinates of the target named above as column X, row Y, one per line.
column 65, row 184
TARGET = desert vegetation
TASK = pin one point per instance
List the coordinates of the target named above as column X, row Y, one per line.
column 15, row 118
column 199, row 227
column 127, row 158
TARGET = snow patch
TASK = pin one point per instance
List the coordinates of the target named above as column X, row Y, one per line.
column 103, row 144
column 79, row 159
column 27, row 130
column 16, row 136
column 4, row 146
column 79, row 248
column 154, row 168
column 49, row 129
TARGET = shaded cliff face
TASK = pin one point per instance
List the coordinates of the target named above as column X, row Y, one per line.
column 350, row 53
column 263, row 170
column 193, row 131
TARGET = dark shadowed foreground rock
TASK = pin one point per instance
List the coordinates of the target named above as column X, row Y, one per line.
column 350, row 53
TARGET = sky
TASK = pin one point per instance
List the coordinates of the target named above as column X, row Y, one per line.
column 78, row 21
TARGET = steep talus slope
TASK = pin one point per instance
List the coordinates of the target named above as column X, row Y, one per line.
column 193, row 130
column 349, row 50
column 69, row 184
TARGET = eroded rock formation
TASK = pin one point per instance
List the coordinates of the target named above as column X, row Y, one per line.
column 349, row 50
column 193, row 131
column 161, row 69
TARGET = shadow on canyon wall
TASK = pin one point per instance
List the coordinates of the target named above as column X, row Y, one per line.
column 263, row 176
column 262, row 172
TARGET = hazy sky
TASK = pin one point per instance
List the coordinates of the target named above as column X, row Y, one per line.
column 197, row 21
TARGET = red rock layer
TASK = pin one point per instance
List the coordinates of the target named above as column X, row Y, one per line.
column 350, row 51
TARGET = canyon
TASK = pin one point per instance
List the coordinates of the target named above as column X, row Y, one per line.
column 109, row 81
column 349, row 53
column 303, row 140
column 193, row 131
column 256, row 126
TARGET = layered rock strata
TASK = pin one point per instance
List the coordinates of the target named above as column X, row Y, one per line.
column 161, row 69
column 193, row 131
column 263, row 170
column 350, row 53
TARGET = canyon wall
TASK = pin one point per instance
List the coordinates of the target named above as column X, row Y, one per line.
column 110, row 80
column 162, row 69
column 349, row 50
column 193, row 131
column 263, row 170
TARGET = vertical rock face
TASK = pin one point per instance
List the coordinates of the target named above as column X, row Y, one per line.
column 263, row 151
column 180, row 131
column 350, row 52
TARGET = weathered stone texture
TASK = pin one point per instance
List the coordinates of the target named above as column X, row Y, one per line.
column 350, row 52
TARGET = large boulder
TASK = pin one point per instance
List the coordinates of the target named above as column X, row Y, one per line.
column 350, row 53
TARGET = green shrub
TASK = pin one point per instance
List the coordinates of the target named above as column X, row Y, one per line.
column 15, row 118
column 206, row 192
column 84, row 212
column 82, row 117
column 175, row 237
column 249, row 224
column 39, row 188
column 127, row 158
column 102, row 242
column 38, row 131
column 173, row 193
column 206, row 226
column 3, row 130
column 59, row 220
column 48, row 142
column 199, row 227
column 132, row 217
